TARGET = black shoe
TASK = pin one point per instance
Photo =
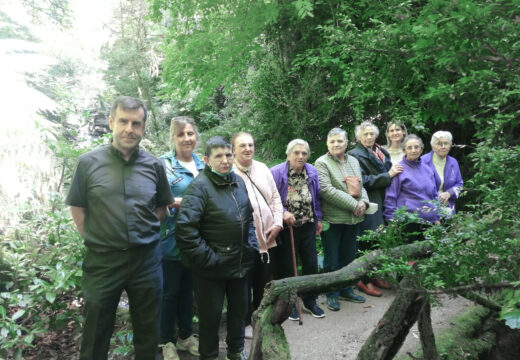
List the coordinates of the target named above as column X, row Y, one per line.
column 349, row 295
column 316, row 311
column 332, row 304
column 243, row 355
column 294, row 315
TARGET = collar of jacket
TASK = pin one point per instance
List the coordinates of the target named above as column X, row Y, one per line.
column 119, row 154
column 410, row 163
column 229, row 179
column 199, row 164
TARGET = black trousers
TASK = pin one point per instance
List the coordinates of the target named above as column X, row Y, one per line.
column 305, row 250
column 209, row 295
column 105, row 276
column 258, row 276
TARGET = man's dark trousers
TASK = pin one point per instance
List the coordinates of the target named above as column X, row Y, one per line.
column 105, row 275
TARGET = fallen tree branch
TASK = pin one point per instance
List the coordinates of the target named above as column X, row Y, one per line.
column 269, row 340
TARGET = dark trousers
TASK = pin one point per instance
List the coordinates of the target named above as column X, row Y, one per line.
column 177, row 301
column 339, row 248
column 105, row 276
column 209, row 295
column 259, row 275
column 305, row 250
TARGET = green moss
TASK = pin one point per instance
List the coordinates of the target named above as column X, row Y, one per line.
column 464, row 340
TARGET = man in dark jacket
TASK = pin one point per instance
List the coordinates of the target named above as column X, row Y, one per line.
column 216, row 239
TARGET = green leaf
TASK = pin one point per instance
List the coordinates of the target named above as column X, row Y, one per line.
column 512, row 319
column 18, row 314
column 50, row 296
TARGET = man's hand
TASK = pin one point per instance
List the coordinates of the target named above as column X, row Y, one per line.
column 289, row 219
column 360, row 209
column 272, row 233
column 161, row 212
column 78, row 214
column 443, row 197
column 176, row 203
column 319, row 228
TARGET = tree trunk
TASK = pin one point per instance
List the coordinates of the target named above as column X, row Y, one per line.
column 391, row 331
column 426, row 332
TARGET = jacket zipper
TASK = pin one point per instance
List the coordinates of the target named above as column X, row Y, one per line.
column 241, row 225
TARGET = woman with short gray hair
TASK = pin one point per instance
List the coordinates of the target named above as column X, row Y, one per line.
column 299, row 188
column 344, row 202
column 415, row 187
column 445, row 168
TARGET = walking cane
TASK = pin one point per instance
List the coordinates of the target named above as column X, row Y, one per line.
column 295, row 270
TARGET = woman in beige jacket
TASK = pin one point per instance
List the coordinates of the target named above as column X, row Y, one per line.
column 267, row 214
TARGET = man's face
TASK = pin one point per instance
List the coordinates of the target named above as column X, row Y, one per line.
column 127, row 128
column 220, row 160
column 244, row 150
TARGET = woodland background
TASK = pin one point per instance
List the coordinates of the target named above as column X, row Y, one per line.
column 280, row 69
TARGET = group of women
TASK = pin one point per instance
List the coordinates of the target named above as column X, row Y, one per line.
column 341, row 196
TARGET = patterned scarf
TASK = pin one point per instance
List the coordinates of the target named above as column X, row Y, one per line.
column 378, row 153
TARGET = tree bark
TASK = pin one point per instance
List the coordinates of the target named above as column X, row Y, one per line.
column 391, row 331
column 426, row 333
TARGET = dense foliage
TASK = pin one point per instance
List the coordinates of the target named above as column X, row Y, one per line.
column 283, row 69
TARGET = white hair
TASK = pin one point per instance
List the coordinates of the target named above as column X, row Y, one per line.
column 412, row 137
column 295, row 142
column 337, row 131
column 441, row 135
column 361, row 127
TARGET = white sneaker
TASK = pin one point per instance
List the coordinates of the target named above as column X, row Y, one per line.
column 169, row 351
column 190, row 344
column 248, row 334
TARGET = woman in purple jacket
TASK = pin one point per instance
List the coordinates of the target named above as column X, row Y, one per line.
column 415, row 187
column 445, row 168
column 299, row 188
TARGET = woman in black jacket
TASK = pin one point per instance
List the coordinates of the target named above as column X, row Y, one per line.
column 377, row 172
column 216, row 238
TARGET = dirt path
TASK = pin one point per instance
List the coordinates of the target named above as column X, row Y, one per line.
column 340, row 335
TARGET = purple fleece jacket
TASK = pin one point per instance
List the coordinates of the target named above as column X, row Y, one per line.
column 452, row 178
column 281, row 178
column 415, row 185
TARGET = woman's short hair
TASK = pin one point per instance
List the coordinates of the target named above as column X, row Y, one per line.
column 441, row 135
column 241, row 133
column 215, row 142
column 337, row 131
column 179, row 122
column 396, row 123
column 295, row 142
column 412, row 137
column 361, row 127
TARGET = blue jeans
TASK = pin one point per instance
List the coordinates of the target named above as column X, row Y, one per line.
column 339, row 248
column 177, row 301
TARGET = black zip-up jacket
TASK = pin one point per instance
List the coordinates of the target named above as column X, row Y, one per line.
column 214, row 227
column 375, row 181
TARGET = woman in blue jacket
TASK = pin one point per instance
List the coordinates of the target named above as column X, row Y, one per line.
column 445, row 168
column 182, row 166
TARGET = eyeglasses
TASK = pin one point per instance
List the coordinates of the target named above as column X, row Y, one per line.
column 443, row 144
